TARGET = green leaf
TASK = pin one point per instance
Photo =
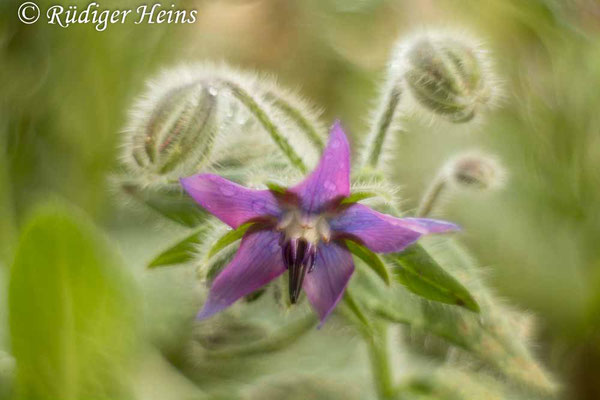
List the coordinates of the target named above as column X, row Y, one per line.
column 71, row 310
column 277, row 188
column 229, row 238
column 371, row 259
column 180, row 252
column 358, row 196
column 421, row 274
column 170, row 202
column 273, row 342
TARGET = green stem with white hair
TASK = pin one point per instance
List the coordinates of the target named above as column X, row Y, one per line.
column 432, row 196
column 268, row 124
column 384, row 119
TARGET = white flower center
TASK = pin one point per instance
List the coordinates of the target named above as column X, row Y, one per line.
column 312, row 228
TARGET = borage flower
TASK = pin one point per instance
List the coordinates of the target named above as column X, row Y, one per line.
column 302, row 230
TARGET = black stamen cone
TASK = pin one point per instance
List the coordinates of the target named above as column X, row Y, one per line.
column 299, row 258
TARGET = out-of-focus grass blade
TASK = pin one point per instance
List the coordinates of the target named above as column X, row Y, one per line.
column 71, row 311
column 421, row 274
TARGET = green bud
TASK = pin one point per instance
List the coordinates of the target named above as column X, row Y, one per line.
column 171, row 129
column 448, row 76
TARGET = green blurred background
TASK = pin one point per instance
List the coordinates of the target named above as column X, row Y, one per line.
column 66, row 92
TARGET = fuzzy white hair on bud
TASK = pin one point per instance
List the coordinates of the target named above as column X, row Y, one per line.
column 447, row 73
column 214, row 117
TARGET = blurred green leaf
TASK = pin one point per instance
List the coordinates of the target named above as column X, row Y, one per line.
column 277, row 188
column 273, row 342
column 358, row 196
column 229, row 238
column 169, row 202
column 180, row 252
column 72, row 311
column 371, row 259
column 7, row 366
column 421, row 274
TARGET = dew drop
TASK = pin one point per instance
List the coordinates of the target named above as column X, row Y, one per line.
column 213, row 91
column 335, row 144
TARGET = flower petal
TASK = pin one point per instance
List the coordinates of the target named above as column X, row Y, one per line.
column 325, row 285
column 383, row 233
column 231, row 203
column 257, row 262
column 331, row 179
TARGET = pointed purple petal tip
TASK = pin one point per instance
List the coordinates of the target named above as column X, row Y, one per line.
column 330, row 180
column 427, row 225
column 231, row 203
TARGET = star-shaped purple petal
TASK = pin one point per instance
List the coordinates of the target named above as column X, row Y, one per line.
column 303, row 231
column 330, row 181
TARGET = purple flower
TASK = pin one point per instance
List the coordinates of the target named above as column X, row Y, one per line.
column 302, row 230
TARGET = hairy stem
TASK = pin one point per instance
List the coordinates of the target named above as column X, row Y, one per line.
column 305, row 125
column 377, row 346
column 267, row 124
column 381, row 127
column 432, row 196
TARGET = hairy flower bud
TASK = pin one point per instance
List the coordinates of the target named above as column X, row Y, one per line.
column 210, row 116
column 448, row 76
column 172, row 129
column 476, row 170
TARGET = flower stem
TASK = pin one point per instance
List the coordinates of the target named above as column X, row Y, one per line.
column 267, row 124
column 432, row 196
column 296, row 116
column 380, row 129
column 377, row 345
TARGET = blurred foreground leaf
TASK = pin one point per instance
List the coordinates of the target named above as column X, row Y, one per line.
column 6, row 375
column 421, row 274
column 71, row 311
